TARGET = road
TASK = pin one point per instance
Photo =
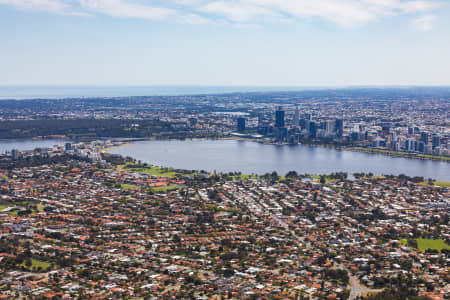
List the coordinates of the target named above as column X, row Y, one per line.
column 356, row 289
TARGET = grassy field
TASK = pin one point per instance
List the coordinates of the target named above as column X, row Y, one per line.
column 444, row 158
column 318, row 178
column 165, row 188
column 36, row 264
column 245, row 176
column 152, row 170
column 10, row 213
column 40, row 207
column 424, row 244
column 125, row 186
column 3, row 206
column 438, row 183
column 442, row 183
column 400, row 154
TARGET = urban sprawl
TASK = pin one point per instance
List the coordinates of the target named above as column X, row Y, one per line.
column 77, row 222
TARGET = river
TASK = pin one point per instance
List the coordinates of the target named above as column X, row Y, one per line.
column 28, row 144
column 251, row 157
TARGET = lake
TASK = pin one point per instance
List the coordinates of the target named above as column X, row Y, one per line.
column 251, row 157
column 28, row 144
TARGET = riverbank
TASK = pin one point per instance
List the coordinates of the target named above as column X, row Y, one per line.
column 399, row 154
column 232, row 155
column 357, row 149
column 104, row 150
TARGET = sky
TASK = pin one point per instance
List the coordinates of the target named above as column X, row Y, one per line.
column 225, row 42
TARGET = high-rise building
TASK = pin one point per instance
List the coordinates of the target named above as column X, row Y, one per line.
column 436, row 141
column 240, row 124
column 261, row 120
column 192, row 121
column 15, row 154
column 410, row 145
column 296, row 117
column 68, row 146
column 312, row 129
column 424, row 137
column 307, row 124
column 386, row 129
column 421, row 147
column 339, row 127
column 279, row 117
column 329, row 126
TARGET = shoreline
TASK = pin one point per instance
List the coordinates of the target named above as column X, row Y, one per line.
column 405, row 155
column 107, row 149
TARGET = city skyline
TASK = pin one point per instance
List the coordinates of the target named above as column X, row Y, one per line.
column 233, row 43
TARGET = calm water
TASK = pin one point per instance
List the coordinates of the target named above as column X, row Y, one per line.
column 57, row 92
column 250, row 157
column 28, row 144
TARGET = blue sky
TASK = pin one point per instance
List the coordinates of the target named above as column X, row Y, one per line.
column 225, row 42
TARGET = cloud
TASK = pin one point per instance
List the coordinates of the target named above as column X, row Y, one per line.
column 237, row 11
column 123, row 8
column 424, row 23
column 56, row 6
column 346, row 13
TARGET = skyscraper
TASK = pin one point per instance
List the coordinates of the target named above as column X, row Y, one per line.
column 279, row 117
column 15, row 154
column 339, row 127
column 436, row 141
column 330, row 126
column 240, row 124
column 312, row 129
column 424, row 137
column 296, row 117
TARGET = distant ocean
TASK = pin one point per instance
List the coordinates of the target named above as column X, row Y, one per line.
column 60, row 92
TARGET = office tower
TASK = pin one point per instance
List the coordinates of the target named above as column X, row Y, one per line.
column 303, row 123
column 240, row 124
column 260, row 120
column 307, row 116
column 296, row 117
column 68, row 146
column 192, row 121
column 436, row 141
column 410, row 145
column 15, row 154
column 339, row 127
column 307, row 124
column 329, row 126
column 410, row 130
column 424, row 137
column 421, row 147
column 279, row 118
column 312, row 129
column 386, row 129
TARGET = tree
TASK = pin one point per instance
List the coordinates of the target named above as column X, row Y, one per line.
column 322, row 179
column 291, row 174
